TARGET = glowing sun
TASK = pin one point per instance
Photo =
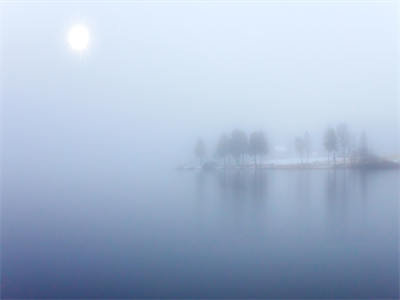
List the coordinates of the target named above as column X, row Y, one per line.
column 78, row 37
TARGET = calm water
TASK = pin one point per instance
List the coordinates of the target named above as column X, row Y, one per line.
column 276, row 233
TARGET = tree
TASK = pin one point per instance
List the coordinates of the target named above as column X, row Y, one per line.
column 330, row 143
column 353, row 149
column 363, row 147
column 238, row 145
column 253, row 147
column 343, row 138
column 223, row 147
column 307, row 145
column 299, row 146
column 200, row 150
column 257, row 145
column 262, row 144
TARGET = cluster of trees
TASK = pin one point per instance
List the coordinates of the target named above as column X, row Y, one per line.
column 237, row 145
column 303, row 146
column 339, row 141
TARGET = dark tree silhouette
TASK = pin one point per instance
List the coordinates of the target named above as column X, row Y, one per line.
column 257, row 145
column 363, row 150
column 343, row 139
column 262, row 144
column 330, row 143
column 307, row 145
column 299, row 146
column 238, row 145
column 223, row 148
column 200, row 150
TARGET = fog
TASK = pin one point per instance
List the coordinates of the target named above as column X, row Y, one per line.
column 158, row 76
column 102, row 195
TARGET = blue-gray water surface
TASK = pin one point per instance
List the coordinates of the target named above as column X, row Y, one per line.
column 164, row 233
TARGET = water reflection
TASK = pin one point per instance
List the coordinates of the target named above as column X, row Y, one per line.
column 238, row 233
column 201, row 178
column 337, row 186
column 242, row 185
column 363, row 177
column 303, row 185
column 341, row 186
column 336, row 195
column 259, row 185
column 334, row 191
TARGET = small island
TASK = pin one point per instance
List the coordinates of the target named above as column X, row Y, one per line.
column 239, row 150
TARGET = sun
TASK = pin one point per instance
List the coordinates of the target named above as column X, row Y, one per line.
column 78, row 37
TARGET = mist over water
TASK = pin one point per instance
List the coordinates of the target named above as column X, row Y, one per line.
column 157, row 77
column 308, row 233
column 92, row 203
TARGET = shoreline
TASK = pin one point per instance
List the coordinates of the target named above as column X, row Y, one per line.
column 370, row 165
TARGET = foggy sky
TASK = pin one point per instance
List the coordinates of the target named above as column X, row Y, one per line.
column 157, row 76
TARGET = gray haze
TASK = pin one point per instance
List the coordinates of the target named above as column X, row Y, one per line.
column 158, row 76
column 91, row 203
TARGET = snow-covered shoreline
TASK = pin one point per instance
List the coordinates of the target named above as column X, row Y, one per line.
column 294, row 163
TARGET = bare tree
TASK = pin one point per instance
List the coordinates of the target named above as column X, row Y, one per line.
column 343, row 138
column 307, row 145
column 299, row 146
column 223, row 148
column 262, row 144
column 330, row 143
column 363, row 150
column 238, row 145
column 257, row 145
column 200, row 150
column 253, row 147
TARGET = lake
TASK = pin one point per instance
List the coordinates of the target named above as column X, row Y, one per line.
column 163, row 233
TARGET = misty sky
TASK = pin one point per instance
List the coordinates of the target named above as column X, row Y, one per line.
column 157, row 76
